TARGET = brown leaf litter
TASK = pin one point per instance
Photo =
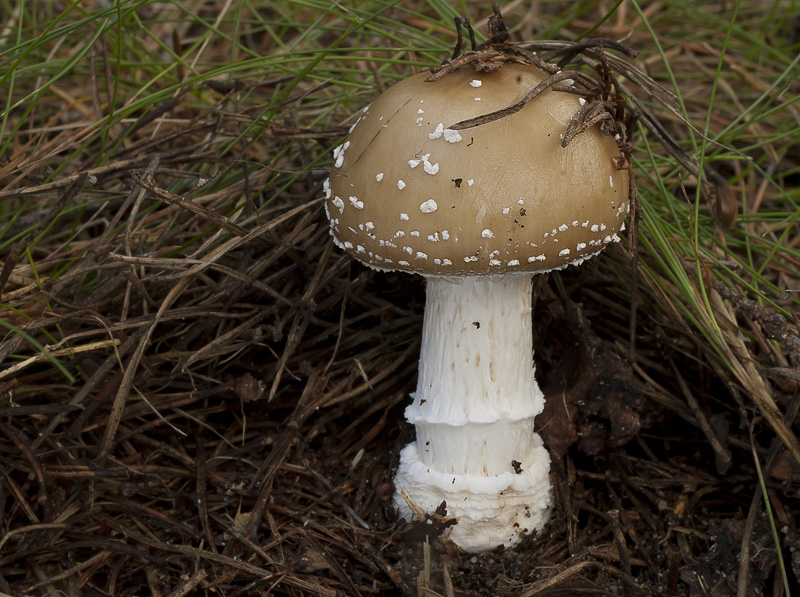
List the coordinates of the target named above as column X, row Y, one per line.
column 231, row 405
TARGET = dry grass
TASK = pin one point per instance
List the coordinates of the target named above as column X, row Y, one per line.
column 200, row 395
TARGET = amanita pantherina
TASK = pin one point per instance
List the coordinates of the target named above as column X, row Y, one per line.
column 477, row 212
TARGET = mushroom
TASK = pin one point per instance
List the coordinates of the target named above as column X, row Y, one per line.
column 477, row 212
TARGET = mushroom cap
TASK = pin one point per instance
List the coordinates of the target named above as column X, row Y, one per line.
column 408, row 193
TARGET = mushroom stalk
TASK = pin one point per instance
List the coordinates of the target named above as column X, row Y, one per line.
column 474, row 412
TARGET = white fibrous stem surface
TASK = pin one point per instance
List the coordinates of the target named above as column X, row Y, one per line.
column 474, row 412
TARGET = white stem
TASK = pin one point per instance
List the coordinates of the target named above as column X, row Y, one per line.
column 474, row 411
column 476, row 378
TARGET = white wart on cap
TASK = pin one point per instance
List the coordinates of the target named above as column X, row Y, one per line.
column 407, row 193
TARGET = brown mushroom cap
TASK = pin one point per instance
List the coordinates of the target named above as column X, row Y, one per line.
column 408, row 193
